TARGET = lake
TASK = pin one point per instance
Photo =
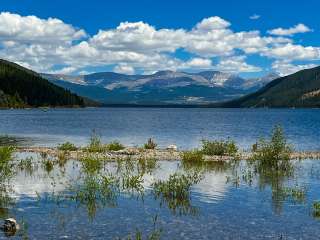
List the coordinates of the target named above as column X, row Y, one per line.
column 181, row 126
column 95, row 198
column 70, row 200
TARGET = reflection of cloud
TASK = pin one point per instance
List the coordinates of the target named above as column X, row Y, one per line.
column 212, row 188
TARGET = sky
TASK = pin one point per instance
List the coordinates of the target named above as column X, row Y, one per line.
column 250, row 38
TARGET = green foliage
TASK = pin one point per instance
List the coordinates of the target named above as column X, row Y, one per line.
column 316, row 209
column 114, row 146
column 175, row 192
column 192, row 156
column 6, row 169
column 151, row 144
column 270, row 152
column 91, row 164
column 219, row 148
column 146, row 165
column 6, row 154
column 20, row 87
column 48, row 165
column 67, row 146
column 95, row 144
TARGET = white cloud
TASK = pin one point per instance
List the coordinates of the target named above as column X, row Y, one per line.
column 124, row 68
column 299, row 28
column 285, row 68
column 254, row 17
column 293, row 52
column 235, row 65
column 45, row 44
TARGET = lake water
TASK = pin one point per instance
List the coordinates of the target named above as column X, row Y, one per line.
column 64, row 202
column 183, row 127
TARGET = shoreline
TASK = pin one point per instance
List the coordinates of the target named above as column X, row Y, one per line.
column 157, row 154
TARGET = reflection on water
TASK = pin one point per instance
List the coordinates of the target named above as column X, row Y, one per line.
column 94, row 199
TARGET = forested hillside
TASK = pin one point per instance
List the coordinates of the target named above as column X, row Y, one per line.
column 301, row 89
column 20, row 87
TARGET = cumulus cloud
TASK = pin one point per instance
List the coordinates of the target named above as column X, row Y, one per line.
column 284, row 68
column 254, row 17
column 299, row 28
column 124, row 68
column 45, row 44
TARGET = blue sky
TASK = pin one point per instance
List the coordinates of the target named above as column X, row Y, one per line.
column 249, row 37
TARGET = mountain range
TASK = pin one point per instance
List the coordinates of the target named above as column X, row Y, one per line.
column 160, row 88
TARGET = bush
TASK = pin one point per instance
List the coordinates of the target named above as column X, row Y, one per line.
column 95, row 144
column 192, row 156
column 219, row 148
column 114, row 146
column 67, row 146
column 150, row 144
column 271, row 151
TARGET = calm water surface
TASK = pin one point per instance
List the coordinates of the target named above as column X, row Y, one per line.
column 218, row 208
column 183, row 127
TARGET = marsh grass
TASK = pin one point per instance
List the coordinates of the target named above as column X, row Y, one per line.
column 6, row 166
column 316, row 209
column 192, row 156
column 150, row 144
column 91, row 164
column 219, row 148
column 132, row 184
column 175, row 192
column 26, row 164
column 67, row 146
column 95, row 144
column 114, row 146
column 47, row 164
column 146, row 165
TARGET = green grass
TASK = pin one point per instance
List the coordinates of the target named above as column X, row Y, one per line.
column 6, row 154
column 192, row 156
column 150, row 144
column 316, row 209
column 219, row 148
column 175, row 192
column 114, row 146
column 91, row 164
column 67, row 146
column 95, row 144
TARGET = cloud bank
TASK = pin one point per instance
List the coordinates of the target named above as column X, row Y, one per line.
column 51, row 45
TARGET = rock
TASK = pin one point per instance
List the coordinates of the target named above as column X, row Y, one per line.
column 172, row 147
column 10, row 226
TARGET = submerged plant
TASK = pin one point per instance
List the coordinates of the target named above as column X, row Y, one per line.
column 151, row 144
column 316, row 209
column 219, row 148
column 175, row 192
column 67, row 146
column 91, row 164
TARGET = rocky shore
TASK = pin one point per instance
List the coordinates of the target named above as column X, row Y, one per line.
column 158, row 154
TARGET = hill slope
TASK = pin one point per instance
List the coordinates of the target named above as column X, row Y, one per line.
column 301, row 89
column 21, row 87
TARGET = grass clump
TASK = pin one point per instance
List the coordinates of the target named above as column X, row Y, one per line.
column 175, row 192
column 151, row 144
column 219, row 148
column 270, row 152
column 114, row 146
column 95, row 144
column 67, row 146
column 192, row 156
column 6, row 153
column 316, row 209
column 91, row 164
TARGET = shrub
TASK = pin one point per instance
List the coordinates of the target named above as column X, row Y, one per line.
column 67, row 146
column 95, row 144
column 114, row 146
column 219, row 148
column 269, row 152
column 150, row 144
column 192, row 156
